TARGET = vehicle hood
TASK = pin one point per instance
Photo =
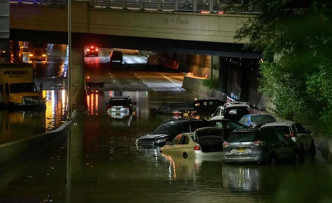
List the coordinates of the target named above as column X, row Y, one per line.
column 154, row 136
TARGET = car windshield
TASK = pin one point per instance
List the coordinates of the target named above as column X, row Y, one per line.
column 282, row 129
column 118, row 102
column 168, row 129
column 262, row 118
column 242, row 137
column 209, row 132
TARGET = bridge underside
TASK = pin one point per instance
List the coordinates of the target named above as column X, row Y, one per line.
column 153, row 44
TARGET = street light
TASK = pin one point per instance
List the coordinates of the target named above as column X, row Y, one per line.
column 69, row 61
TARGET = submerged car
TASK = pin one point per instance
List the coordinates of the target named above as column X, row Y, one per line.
column 264, row 145
column 256, row 120
column 205, row 143
column 168, row 130
column 231, row 110
column 297, row 133
column 227, row 126
column 119, row 107
column 206, row 106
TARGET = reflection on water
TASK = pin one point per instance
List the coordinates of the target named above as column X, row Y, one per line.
column 56, row 105
column 16, row 125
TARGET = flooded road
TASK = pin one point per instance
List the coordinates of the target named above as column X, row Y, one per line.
column 100, row 162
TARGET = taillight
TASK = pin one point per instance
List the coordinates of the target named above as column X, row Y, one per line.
column 259, row 143
column 197, row 147
column 225, row 144
column 92, row 47
column 96, row 49
column 87, row 49
column 176, row 112
column 291, row 135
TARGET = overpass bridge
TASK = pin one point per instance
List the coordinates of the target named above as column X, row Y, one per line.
column 127, row 27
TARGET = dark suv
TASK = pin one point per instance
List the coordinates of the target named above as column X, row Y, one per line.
column 168, row 130
column 264, row 145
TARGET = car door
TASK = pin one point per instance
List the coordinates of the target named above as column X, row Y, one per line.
column 275, row 144
column 303, row 135
column 180, row 144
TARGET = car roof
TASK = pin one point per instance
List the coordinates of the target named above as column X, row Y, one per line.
column 280, row 123
column 258, row 114
column 236, row 106
column 182, row 120
column 246, row 130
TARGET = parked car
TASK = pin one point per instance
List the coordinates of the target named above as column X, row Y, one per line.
column 116, row 57
column 206, row 106
column 119, row 107
column 184, row 112
column 233, row 111
column 256, row 120
column 168, row 130
column 205, row 143
column 91, row 51
column 263, row 145
column 227, row 126
column 297, row 133
column 171, row 107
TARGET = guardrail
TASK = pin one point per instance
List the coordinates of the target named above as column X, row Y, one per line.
column 196, row 6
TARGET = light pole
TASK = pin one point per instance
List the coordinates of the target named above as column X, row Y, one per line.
column 69, row 61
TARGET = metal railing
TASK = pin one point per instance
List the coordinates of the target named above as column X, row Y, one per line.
column 199, row 6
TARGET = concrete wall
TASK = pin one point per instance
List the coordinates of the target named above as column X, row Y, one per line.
column 150, row 24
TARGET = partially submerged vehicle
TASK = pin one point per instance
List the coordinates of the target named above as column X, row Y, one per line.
column 18, row 89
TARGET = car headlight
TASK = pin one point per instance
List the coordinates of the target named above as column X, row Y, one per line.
column 160, row 140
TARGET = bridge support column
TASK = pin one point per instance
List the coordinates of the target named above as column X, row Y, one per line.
column 78, row 94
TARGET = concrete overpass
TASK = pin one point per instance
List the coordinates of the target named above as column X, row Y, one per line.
column 139, row 29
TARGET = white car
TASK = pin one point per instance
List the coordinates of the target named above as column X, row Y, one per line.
column 220, row 111
column 205, row 144
column 297, row 133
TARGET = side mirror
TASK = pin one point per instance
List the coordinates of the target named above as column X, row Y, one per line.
column 212, row 114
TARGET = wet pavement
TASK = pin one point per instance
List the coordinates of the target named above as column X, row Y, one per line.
column 100, row 162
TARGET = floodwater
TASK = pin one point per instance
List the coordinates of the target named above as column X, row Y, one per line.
column 100, row 162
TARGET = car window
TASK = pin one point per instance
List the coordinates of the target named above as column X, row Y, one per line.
column 262, row 118
column 119, row 102
column 211, row 103
column 242, row 137
column 282, row 129
column 197, row 124
column 184, row 140
column 208, row 132
column 270, row 134
column 299, row 128
column 244, row 119
column 177, row 139
column 233, row 126
column 219, row 124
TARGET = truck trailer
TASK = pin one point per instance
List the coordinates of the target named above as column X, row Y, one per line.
column 17, row 88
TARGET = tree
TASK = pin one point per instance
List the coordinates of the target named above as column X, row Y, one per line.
column 295, row 37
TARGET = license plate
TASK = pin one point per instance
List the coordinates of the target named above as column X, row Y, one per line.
column 118, row 114
column 118, row 109
column 241, row 150
column 185, row 114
